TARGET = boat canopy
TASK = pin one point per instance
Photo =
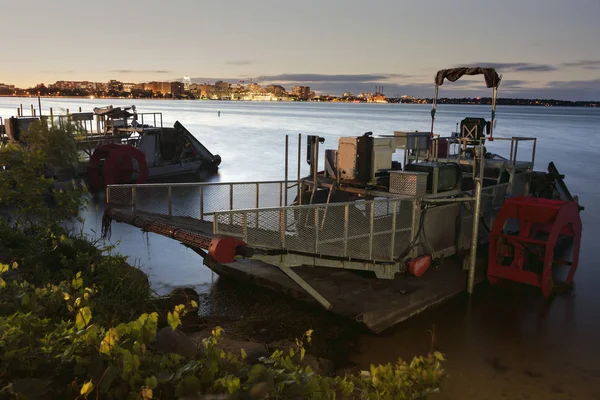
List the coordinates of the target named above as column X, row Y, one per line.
column 492, row 80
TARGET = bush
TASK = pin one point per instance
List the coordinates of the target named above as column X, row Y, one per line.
column 51, row 347
column 26, row 178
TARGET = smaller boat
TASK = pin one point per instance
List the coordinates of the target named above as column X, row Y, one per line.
column 146, row 151
column 124, row 146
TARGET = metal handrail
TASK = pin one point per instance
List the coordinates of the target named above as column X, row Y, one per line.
column 174, row 184
column 368, row 232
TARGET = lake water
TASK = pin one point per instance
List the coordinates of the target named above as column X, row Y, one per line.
column 499, row 346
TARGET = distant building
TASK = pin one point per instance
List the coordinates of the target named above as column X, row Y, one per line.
column 347, row 94
column 128, row 87
column 177, row 88
column 276, row 90
column 301, row 92
column 186, row 82
column 222, row 89
column 115, row 86
column 253, row 88
column 7, row 89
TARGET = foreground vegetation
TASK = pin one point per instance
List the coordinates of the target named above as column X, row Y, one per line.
column 78, row 322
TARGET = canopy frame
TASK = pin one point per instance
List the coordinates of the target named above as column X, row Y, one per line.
column 492, row 80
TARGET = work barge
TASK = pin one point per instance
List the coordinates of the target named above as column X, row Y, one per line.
column 374, row 239
column 119, row 145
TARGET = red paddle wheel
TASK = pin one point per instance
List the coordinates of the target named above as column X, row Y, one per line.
column 113, row 164
column 528, row 256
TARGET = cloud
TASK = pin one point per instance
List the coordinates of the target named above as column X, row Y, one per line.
column 585, row 64
column 239, row 62
column 513, row 67
column 140, row 71
column 593, row 84
column 59, row 71
column 514, row 84
column 308, row 78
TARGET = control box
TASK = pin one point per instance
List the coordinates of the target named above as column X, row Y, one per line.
column 359, row 159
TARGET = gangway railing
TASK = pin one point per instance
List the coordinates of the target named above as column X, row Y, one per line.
column 380, row 230
column 201, row 200
column 375, row 230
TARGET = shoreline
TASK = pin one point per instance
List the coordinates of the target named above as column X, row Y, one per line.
column 445, row 101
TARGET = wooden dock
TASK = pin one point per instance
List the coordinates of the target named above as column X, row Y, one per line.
column 376, row 303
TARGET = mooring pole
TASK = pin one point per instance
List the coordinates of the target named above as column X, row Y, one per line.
column 285, row 194
column 478, row 180
column 299, row 156
column 40, row 104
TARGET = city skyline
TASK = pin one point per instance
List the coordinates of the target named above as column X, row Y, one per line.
column 332, row 46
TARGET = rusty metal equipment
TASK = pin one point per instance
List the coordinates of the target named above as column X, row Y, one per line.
column 113, row 163
column 529, row 255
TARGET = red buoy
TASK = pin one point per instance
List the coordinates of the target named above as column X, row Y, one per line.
column 419, row 265
column 223, row 249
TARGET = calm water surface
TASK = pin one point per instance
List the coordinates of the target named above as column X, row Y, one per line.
column 499, row 345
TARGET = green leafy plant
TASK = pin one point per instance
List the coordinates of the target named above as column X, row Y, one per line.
column 27, row 170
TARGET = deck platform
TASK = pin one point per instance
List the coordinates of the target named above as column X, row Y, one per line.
column 376, row 303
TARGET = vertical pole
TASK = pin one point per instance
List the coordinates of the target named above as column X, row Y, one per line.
column 21, row 105
column 393, row 238
column 201, row 203
column 18, row 112
column 512, row 148
column 371, row 228
column 533, row 154
column 475, row 235
column 316, row 162
column 299, row 157
column 51, row 118
column 346, row 218
column 230, row 203
column 316, row 209
column 280, row 193
column 285, row 195
column 282, row 228
column 40, row 104
column 257, row 203
column 32, row 111
column 244, row 227
column 257, row 195
column 170, row 202
column 80, row 109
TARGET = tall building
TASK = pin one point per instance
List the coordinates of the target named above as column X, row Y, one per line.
column 186, row 82
column 177, row 88
column 301, row 92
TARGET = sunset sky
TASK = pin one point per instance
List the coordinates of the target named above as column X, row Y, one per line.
column 543, row 48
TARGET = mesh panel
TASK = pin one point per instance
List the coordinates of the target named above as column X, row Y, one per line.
column 368, row 230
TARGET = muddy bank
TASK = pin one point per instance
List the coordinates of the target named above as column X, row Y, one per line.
column 258, row 319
